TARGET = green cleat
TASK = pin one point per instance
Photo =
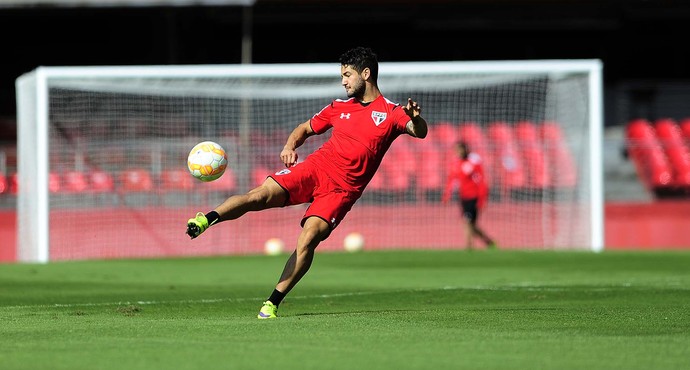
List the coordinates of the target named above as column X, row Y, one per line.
column 268, row 311
column 197, row 225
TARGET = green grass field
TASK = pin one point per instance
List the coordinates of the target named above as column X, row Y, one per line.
column 369, row 310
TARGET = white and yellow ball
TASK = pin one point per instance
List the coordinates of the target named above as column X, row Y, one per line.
column 207, row 161
column 274, row 246
column 353, row 242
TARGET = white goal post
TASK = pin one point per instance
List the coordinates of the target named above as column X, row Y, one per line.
column 123, row 123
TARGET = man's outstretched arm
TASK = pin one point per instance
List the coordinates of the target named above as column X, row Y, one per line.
column 296, row 138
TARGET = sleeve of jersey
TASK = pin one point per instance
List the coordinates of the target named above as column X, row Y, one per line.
column 401, row 118
column 321, row 121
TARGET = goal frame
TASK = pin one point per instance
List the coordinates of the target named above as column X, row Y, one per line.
column 33, row 244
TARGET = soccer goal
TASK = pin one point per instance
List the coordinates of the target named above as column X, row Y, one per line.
column 102, row 156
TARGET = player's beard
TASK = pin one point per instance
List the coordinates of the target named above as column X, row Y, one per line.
column 357, row 90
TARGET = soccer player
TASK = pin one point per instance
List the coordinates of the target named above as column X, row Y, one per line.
column 467, row 172
column 333, row 177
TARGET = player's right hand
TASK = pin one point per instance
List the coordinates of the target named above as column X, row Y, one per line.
column 289, row 157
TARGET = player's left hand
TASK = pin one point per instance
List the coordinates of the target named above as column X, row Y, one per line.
column 412, row 108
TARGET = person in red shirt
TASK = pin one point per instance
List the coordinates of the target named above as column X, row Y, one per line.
column 333, row 177
column 466, row 173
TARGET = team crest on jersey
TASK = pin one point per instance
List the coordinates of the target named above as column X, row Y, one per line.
column 378, row 117
column 283, row 172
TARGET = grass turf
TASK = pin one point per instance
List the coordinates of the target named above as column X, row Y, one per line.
column 370, row 310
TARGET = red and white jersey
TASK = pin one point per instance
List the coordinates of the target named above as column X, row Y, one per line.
column 469, row 175
column 362, row 133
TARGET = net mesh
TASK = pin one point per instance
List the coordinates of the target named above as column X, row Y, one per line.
column 119, row 186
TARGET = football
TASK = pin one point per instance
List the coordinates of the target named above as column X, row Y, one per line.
column 274, row 246
column 207, row 161
column 353, row 242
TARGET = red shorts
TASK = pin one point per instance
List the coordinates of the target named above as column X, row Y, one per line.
column 304, row 183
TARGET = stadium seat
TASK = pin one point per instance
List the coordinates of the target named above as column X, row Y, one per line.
column 444, row 133
column 176, row 180
column 53, row 183
column 259, row 174
column 560, row 159
column 508, row 168
column 399, row 166
column 431, row 171
column 74, row 182
column 685, row 129
column 473, row 135
column 136, row 180
column 13, row 183
column 646, row 153
column 532, row 153
column 4, row 184
column 226, row 183
column 671, row 138
column 101, row 181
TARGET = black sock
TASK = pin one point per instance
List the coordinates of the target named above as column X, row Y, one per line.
column 276, row 297
column 212, row 217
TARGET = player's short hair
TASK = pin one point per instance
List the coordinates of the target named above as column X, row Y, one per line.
column 465, row 148
column 360, row 58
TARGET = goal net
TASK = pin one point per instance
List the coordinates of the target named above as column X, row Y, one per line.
column 102, row 156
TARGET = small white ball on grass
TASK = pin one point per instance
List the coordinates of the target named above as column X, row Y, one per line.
column 274, row 246
column 353, row 242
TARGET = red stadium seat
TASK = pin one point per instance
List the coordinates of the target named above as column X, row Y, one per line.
column 4, row 184
column 647, row 155
column 473, row 135
column 74, row 182
column 672, row 141
column 136, row 180
column 444, row 133
column 226, row 183
column 376, row 183
column 533, row 158
column 431, row 171
column 54, row 182
column 508, row 169
column 101, row 181
column 685, row 129
column 14, row 183
column 561, row 162
column 259, row 174
column 176, row 180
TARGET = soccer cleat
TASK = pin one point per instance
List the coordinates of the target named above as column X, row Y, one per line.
column 197, row 225
column 268, row 311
